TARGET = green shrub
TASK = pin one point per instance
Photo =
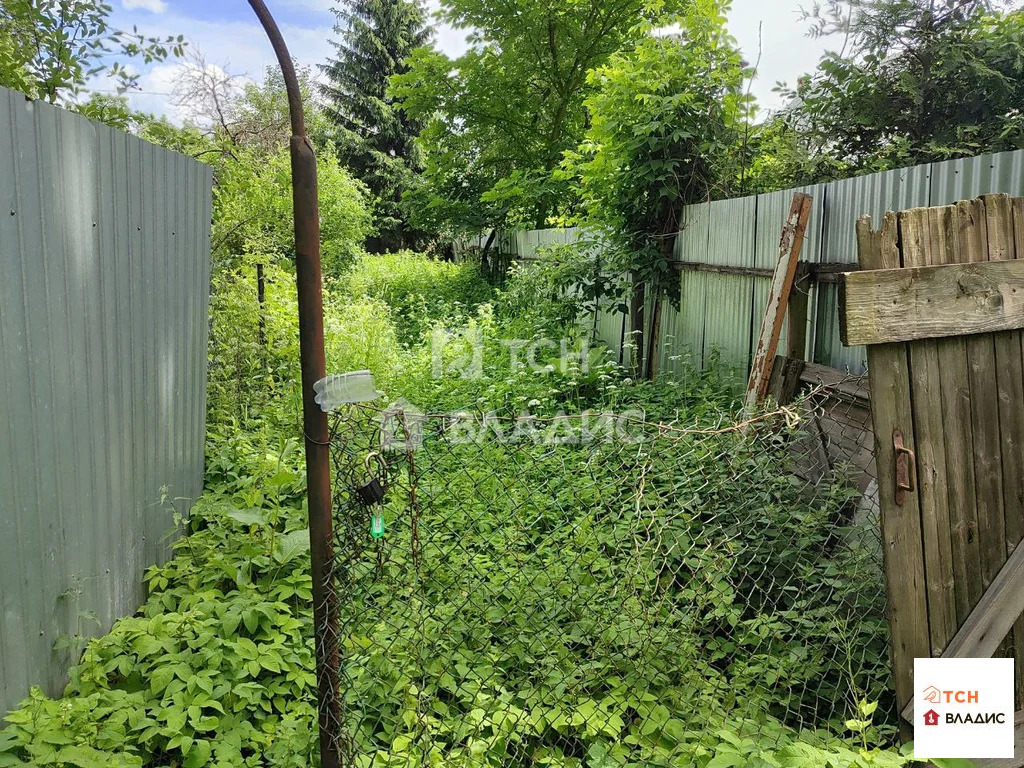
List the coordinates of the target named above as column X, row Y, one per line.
column 419, row 290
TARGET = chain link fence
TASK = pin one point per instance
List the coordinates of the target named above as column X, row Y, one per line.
column 601, row 590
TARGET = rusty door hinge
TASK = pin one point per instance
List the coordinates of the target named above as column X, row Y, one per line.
column 904, row 467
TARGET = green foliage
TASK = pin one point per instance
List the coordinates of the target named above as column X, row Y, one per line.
column 565, row 283
column 253, row 210
column 419, row 290
column 49, row 49
column 917, row 82
column 776, row 156
column 500, row 116
column 374, row 137
column 665, row 124
column 579, row 639
column 217, row 667
column 254, row 349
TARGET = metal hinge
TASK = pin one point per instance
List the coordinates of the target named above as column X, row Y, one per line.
column 904, row 467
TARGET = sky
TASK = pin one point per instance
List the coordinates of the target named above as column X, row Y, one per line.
column 229, row 37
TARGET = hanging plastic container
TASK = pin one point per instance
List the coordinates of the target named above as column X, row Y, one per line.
column 342, row 388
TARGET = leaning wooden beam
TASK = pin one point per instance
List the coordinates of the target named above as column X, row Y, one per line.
column 1018, row 749
column 891, row 305
column 790, row 245
column 991, row 620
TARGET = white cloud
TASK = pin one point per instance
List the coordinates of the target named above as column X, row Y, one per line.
column 153, row 6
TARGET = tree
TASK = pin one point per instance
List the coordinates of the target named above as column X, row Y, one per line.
column 253, row 210
column 500, row 117
column 915, row 81
column 374, row 136
column 50, row 49
column 666, row 120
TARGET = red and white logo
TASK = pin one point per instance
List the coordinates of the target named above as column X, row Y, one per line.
column 972, row 699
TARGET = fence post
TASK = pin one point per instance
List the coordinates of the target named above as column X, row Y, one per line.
column 314, row 421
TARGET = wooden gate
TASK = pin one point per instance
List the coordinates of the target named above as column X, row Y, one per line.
column 940, row 301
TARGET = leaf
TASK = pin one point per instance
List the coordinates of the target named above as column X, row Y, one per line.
column 161, row 678
column 291, row 545
column 726, row 761
column 198, row 755
column 83, row 757
column 248, row 516
column 251, row 619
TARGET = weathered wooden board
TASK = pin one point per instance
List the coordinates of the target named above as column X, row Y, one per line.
column 1015, row 507
column 996, row 612
column 991, row 620
column 901, row 524
column 891, row 305
column 951, row 302
column 790, row 245
column 957, row 437
column 919, row 250
column 1018, row 748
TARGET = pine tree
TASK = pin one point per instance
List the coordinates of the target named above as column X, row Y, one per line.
column 374, row 136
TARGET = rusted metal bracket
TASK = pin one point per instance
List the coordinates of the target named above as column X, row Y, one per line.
column 904, row 467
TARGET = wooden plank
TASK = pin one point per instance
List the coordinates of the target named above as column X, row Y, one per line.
column 918, row 250
column 838, row 382
column 987, row 626
column 1009, row 382
column 996, row 612
column 892, row 305
column 889, row 380
column 1014, row 513
column 1018, row 749
column 799, row 299
column 785, row 378
column 957, row 437
column 999, row 214
column 987, row 455
column 790, row 245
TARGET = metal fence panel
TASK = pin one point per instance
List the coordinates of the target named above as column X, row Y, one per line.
column 970, row 177
column 685, row 330
column 725, row 311
column 104, row 247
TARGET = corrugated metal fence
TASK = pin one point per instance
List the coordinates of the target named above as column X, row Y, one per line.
column 105, row 252
column 721, row 313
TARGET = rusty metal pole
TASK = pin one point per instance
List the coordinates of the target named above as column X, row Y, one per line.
column 311, row 353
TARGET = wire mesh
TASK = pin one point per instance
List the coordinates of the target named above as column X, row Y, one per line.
column 593, row 591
